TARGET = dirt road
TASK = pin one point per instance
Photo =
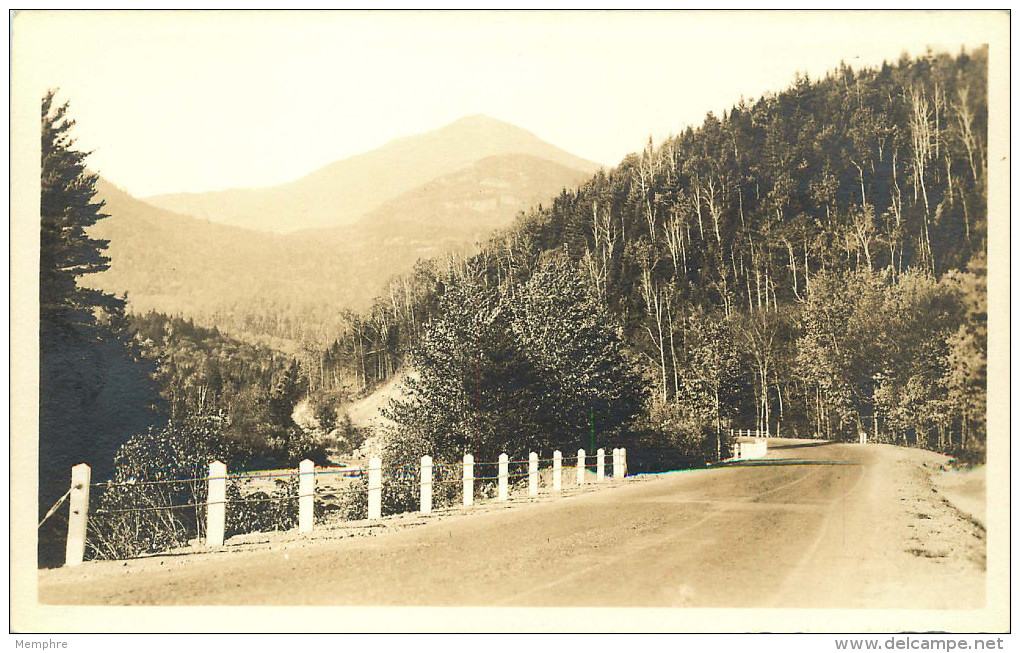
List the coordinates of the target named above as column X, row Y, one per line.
column 814, row 525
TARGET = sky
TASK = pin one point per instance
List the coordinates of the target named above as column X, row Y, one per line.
column 195, row 101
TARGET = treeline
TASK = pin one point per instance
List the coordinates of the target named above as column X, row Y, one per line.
column 811, row 263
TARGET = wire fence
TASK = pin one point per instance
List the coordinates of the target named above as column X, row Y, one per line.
column 215, row 498
column 55, row 508
column 167, row 481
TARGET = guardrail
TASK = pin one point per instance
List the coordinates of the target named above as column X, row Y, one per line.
column 216, row 502
column 749, row 433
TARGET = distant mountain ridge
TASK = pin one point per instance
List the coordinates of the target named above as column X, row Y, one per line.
column 294, row 287
column 342, row 192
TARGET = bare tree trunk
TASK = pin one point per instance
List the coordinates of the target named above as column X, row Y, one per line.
column 793, row 267
column 779, row 396
column 966, row 217
column 757, row 285
column 740, row 197
column 807, row 270
column 653, row 307
column 646, row 182
column 965, row 120
column 697, row 205
column 921, row 139
column 675, row 242
column 672, row 351
column 713, row 209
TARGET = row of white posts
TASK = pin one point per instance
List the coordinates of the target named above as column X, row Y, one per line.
column 749, row 433
column 216, row 503
column 750, row 450
column 619, row 463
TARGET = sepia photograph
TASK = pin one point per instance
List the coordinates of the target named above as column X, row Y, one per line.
column 510, row 321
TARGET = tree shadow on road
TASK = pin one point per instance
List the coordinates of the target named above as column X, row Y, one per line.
column 787, row 462
column 800, row 445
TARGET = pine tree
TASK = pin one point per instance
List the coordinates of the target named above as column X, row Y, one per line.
column 94, row 392
column 68, row 206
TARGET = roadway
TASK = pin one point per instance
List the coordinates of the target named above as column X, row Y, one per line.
column 813, row 525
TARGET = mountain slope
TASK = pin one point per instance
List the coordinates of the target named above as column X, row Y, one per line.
column 294, row 287
column 245, row 281
column 454, row 211
column 163, row 256
column 342, row 192
column 489, row 193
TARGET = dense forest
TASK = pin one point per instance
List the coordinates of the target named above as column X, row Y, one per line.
column 811, row 263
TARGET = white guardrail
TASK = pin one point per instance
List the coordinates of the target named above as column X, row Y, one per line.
column 216, row 502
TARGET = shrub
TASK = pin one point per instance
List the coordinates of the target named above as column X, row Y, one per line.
column 133, row 513
column 154, row 471
column 300, row 444
column 662, row 441
column 353, row 501
column 325, row 413
column 261, row 511
column 349, row 437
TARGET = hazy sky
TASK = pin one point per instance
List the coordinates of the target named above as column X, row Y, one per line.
column 191, row 101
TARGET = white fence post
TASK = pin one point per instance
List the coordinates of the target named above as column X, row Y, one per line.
column 78, row 515
column 736, row 450
column 616, row 463
column 374, row 488
column 533, row 474
column 580, row 466
column 557, row 470
column 426, row 485
column 623, row 455
column 306, row 494
column 504, row 475
column 469, row 479
column 600, row 465
column 216, row 504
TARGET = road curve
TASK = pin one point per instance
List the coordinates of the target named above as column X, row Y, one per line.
column 814, row 525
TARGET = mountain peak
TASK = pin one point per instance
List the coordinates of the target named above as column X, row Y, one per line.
column 480, row 119
column 344, row 191
column 482, row 126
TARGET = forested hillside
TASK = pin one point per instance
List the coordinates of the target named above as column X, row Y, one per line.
column 811, row 263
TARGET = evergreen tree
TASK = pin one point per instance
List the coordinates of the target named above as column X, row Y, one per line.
column 67, row 208
column 473, row 389
column 516, row 369
column 570, row 336
column 94, row 392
